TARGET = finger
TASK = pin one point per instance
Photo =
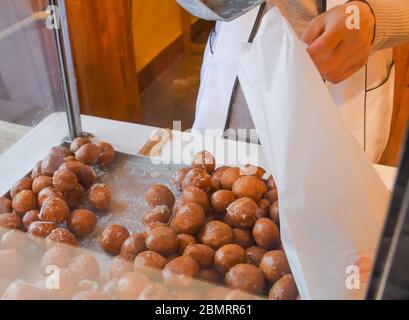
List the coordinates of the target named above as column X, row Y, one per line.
column 343, row 58
column 314, row 29
column 348, row 73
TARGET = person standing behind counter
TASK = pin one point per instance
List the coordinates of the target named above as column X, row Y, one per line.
column 357, row 64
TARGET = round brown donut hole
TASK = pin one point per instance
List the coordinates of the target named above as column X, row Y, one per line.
column 228, row 256
column 46, row 193
column 52, row 162
column 271, row 184
column 197, row 177
column 159, row 195
column 86, row 267
column 284, row 289
column 54, row 210
column 251, row 170
column 107, row 155
column 184, row 240
column 204, row 160
column 133, row 246
column 90, row 296
column 216, row 234
column 242, row 238
column 131, row 285
column 22, row 184
column 149, row 261
column 68, row 282
column 11, row 264
column 254, row 255
column 189, row 219
column 274, row 213
column 20, row 290
column 158, row 214
column 61, row 236
column 24, row 201
column 196, row 195
column 203, row 254
column 10, row 220
column 36, row 172
column 271, row 196
column 40, row 229
column 242, row 213
column 112, row 239
column 218, row 173
column 216, row 185
column 209, row 275
column 266, row 234
column 222, row 199
column 274, row 265
column 264, row 204
column 156, row 291
column 88, row 154
column 74, row 197
column 171, row 257
column 41, row 182
column 56, row 256
column 69, row 159
column 153, row 225
column 180, row 272
column 100, row 196
column 78, row 143
column 64, row 180
column 245, row 277
column 178, row 177
column 120, row 266
column 162, row 240
column 249, row 186
column 14, row 239
column 229, row 176
column 28, row 218
column 82, row 222
column 60, row 151
column 261, row 213
column 88, row 177
column 5, row 205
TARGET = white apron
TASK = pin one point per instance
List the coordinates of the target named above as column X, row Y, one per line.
column 365, row 99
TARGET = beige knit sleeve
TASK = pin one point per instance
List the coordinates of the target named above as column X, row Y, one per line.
column 392, row 22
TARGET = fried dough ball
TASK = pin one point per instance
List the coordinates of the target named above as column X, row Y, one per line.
column 11, row 264
column 54, row 210
column 36, row 172
column 189, row 219
column 5, row 205
column 88, row 154
column 21, row 290
column 178, row 204
column 158, row 214
column 61, row 236
column 100, row 196
column 64, row 180
column 149, row 259
column 86, row 267
column 120, row 266
column 14, row 239
column 208, row 275
column 266, row 233
column 274, row 213
column 202, row 254
column 251, row 170
column 10, row 220
column 216, row 234
column 249, row 186
column 107, row 155
column 85, row 174
column 242, row 213
column 242, row 238
column 74, row 197
column 264, row 204
column 78, row 143
column 284, row 289
column 46, row 193
column 271, row 196
column 271, row 184
column 218, row 173
column 22, row 184
column 133, row 246
column 178, row 177
column 67, row 284
column 245, row 277
column 88, row 177
column 112, row 238
column 42, row 182
column 41, row 229
column 228, row 256
column 82, row 222
column 196, row 195
column 131, row 285
column 30, row 217
column 274, row 265
column 180, row 272
column 54, row 160
column 255, row 254
column 184, row 240
column 222, row 199
column 162, row 240
column 204, row 160
column 159, row 195
column 56, row 256
column 229, row 176
column 261, row 213
column 197, row 177
column 24, row 201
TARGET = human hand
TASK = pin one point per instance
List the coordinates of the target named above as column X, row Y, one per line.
column 338, row 50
